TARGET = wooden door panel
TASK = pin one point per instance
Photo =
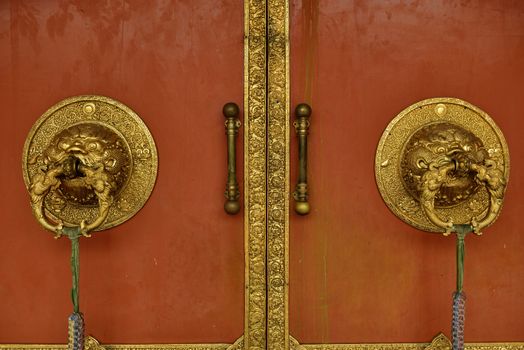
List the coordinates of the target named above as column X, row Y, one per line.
column 175, row 272
column 357, row 273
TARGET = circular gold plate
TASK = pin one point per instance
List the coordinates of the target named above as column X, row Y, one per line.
column 132, row 145
column 393, row 143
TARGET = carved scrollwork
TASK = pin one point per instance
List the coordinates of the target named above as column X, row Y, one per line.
column 432, row 182
column 492, row 175
column 42, row 184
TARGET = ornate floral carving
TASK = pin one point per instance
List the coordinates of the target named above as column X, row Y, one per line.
column 440, row 342
column 93, row 344
column 122, row 347
column 255, row 173
column 278, row 174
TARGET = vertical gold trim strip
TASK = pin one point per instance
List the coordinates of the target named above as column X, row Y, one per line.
column 287, row 171
column 255, row 173
column 278, row 174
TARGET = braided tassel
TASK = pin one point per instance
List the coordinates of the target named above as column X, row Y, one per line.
column 459, row 297
column 76, row 332
column 457, row 324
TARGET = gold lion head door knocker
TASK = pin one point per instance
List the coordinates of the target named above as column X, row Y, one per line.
column 89, row 163
column 442, row 165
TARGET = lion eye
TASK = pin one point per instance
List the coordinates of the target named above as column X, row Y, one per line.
column 110, row 163
column 92, row 146
column 422, row 164
column 63, row 145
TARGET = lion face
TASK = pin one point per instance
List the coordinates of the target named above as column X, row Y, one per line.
column 89, row 145
column 440, row 144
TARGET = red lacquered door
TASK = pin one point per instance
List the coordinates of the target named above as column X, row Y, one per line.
column 357, row 273
column 174, row 273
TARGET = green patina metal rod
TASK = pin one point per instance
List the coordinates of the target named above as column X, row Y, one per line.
column 75, row 320
column 461, row 231
column 74, row 234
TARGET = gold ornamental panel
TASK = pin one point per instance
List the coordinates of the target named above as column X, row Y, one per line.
column 443, row 162
column 89, row 161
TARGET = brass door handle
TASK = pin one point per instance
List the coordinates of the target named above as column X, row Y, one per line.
column 301, row 124
column 232, row 193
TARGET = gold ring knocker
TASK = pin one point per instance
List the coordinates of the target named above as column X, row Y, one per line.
column 488, row 172
column 443, row 162
column 89, row 162
column 93, row 179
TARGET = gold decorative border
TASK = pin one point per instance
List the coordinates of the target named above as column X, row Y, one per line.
column 255, row 173
column 278, row 174
column 93, row 344
column 440, row 342
column 121, row 347
column 409, row 346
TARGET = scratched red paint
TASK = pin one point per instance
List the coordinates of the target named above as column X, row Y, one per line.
column 175, row 272
column 357, row 273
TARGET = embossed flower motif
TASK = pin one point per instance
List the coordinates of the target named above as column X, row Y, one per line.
column 409, row 206
column 474, row 206
column 123, row 205
column 56, row 202
column 142, row 151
